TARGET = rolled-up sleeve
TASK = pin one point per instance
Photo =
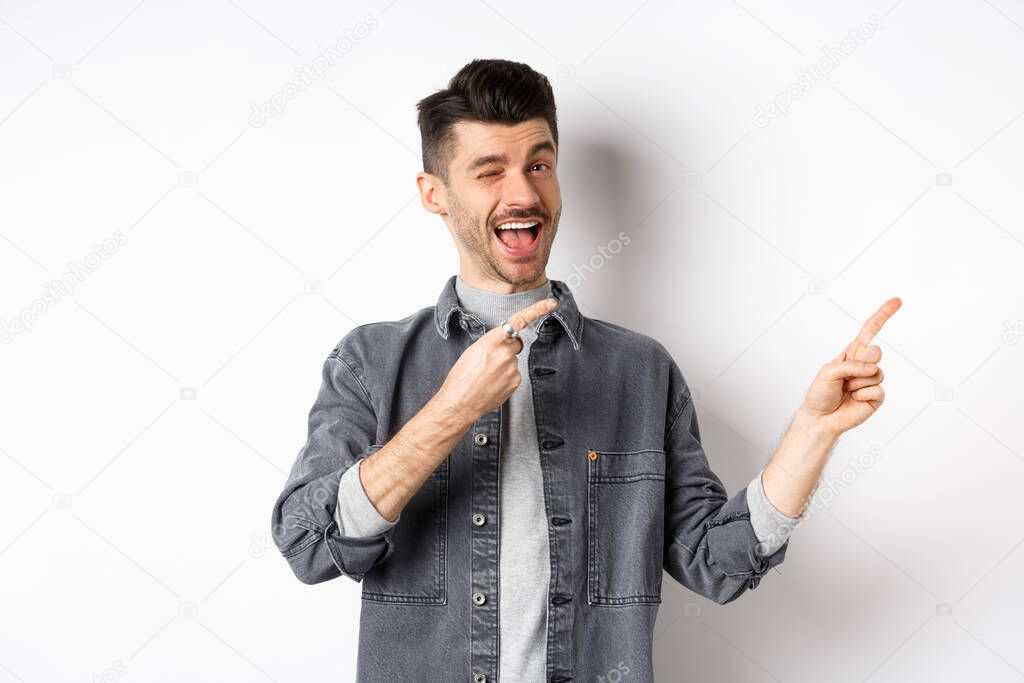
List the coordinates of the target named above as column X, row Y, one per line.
column 771, row 526
column 710, row 544
column 342, row 429
column 356, row 514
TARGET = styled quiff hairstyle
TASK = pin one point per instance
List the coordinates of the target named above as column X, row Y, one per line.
column 488, row 91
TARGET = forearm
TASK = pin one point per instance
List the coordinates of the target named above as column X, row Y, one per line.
column 393, row 474
column 791, row 476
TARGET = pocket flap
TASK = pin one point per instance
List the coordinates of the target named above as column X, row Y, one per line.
column 627, row 465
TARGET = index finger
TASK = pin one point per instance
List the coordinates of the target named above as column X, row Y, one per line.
column 524, row 316
column 871, row 327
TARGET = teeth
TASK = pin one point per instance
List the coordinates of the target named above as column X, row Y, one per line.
column 516, row 226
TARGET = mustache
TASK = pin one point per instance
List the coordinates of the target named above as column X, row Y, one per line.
column 521, row 215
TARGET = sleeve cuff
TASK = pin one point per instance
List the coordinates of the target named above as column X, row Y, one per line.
column 355, row 514
column 771, row 527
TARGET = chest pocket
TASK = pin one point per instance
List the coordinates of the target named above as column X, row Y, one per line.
column 416, row 571
column 625, row 528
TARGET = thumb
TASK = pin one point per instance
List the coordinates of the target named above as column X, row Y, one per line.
column 843, row 369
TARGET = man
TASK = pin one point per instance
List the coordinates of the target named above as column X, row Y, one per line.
column 507, row 477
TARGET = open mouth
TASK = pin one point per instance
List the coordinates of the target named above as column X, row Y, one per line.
column 519, row 236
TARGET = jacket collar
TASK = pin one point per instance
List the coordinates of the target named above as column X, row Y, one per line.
column 567, row 312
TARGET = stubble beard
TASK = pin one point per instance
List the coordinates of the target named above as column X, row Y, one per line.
column 476, row 237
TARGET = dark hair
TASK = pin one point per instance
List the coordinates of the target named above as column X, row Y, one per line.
column 485, row 90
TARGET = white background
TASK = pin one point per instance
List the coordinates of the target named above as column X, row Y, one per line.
column 150, row 417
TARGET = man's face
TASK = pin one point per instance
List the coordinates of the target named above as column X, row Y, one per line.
column 502, row 175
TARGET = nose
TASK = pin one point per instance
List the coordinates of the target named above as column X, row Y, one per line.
column 518, row 190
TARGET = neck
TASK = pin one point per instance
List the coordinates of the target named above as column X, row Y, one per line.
column 489, row 284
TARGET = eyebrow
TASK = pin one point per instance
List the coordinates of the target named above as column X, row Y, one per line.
column 546, row 145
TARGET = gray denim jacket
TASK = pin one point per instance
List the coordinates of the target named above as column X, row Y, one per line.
column 628, row 492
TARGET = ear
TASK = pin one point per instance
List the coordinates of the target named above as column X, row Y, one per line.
column 432, row 193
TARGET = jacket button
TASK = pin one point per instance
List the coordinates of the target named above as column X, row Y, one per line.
column 463, row 324
column 480, row 678
column 479, row 598
column 479, row 519
column 480, row 439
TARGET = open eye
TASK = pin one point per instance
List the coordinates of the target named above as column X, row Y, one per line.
column 539, row 164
